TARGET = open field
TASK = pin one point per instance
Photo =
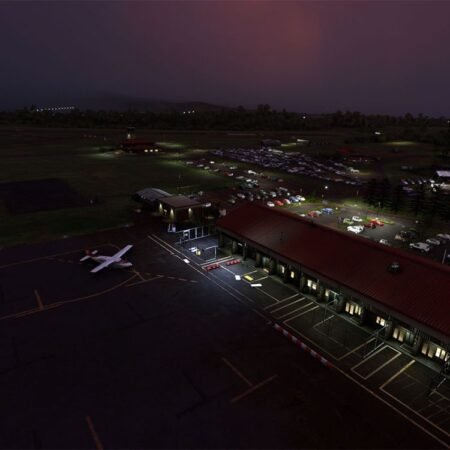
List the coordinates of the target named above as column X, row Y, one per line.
column 87, row 162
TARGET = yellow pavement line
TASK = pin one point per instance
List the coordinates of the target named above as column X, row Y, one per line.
column 98, row 442
column 253, row 389
column 356, row 348
column 237, row 372
column 38, row 299
column 39, row 258
column 144, row 281
column 62, row 302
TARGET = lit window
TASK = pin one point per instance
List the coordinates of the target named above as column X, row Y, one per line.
column 282, row 269
column 381, row 321
column 440, row 353
column 292, row 274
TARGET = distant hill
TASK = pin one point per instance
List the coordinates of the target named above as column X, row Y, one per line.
column 124, row 103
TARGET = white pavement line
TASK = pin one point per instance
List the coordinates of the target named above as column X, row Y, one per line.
column 95, row 437
column 253, row 389
column 238, row 372
column 418, row 414
column 384, row 347
column 227, row 269
column 378, row 368
column 376, row 395
column 262, row 278
column 303, row 313
column 221, row 260
column 268, row 295
column 407, row 366
column 296, row 310
column 279, row 302
column 390, row 405
column 356, row 348
column 323, row 321
column 286, row 305
column 248, row 273
column 164, row 245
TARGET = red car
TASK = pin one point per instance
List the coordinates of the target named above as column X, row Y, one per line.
column 377, row 222
column 312, row 214
column 370, row 225
column 278, row 203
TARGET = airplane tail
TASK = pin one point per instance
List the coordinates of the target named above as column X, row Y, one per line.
column 89, row 255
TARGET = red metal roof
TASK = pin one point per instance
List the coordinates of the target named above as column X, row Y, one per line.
column 421, row 291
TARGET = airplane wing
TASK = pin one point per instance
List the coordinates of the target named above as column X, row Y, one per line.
column 104, row 264
column 121, row 252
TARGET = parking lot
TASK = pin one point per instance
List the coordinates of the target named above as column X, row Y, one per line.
column 384, row 368
column 166, row 355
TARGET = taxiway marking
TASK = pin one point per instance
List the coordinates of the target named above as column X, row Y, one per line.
column 98, row 442
column 238, row 372
column 38, row 299
column 253, row 389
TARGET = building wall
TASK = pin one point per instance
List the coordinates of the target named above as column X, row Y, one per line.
column 360, row 310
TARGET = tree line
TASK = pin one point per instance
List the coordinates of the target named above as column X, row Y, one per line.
column 240, row 118
column 427, row 203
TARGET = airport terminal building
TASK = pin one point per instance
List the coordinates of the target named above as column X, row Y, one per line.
column 402, row 296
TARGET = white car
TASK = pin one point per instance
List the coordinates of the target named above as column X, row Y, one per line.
column 356, row 219
column 384, row 241
column 443, row 236
column 420, row 246
column 355, row 229
column 270, row 204
column 433, row 241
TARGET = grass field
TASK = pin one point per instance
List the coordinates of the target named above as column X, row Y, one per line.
column 87, row 161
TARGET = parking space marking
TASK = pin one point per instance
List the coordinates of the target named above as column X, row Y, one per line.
column 248, row 273
column 279, row 302
column 238, row 372
column 38, row 299
column 356, row 348
column 286, row 305
column 426, row 419
column 253, row 389
column 303, row 313
column 372, row 355
column 323, row 321
column 95, row 437
column 378, row 368
column 294, row 311
column 407, row 366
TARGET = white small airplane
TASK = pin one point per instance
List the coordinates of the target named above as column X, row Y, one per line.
column 115, row 260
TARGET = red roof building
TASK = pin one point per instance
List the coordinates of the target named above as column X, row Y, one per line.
column 418, row 293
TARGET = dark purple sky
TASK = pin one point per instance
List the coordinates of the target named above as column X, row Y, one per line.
column 372, row 56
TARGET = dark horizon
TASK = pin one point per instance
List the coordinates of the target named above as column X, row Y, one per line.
column 317, row 57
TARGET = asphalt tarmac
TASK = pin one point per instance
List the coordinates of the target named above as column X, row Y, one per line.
column 162, row 356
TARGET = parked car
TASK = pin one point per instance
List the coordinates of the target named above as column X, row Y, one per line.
column 270, row 204
column 370, row 225
column 356, row 219
column 278, row 203
column 433, row 241
column 355, row 229
column 377, row 222
column 384, row 241
column 328, row 211
column 286, row 201
column 443, row 236
column 420, row 246
column 348, row 221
